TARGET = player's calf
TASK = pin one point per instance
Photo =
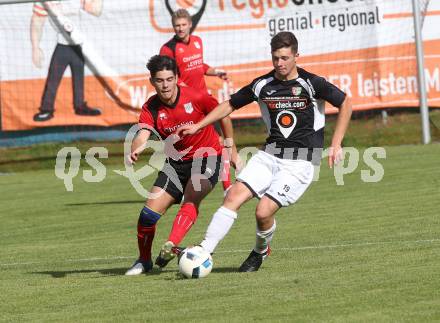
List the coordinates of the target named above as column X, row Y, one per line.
column 146, row 230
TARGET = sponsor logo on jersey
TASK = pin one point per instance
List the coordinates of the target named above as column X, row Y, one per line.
column 173, row 128
column 286, row 104
column 192, row 57
column 286, row 121
column 296, row 90
column 188, row 107
column 270, row 92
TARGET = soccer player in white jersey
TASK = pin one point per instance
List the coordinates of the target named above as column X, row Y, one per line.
column 292, row 105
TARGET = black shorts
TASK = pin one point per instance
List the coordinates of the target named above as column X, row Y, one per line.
column 175, row 174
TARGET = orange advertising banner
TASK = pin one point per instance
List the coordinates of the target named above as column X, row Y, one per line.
column 366, row 49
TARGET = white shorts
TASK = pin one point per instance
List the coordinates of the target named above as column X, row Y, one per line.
column 282, row 180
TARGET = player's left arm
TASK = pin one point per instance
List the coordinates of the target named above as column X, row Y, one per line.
column 93, row 7
column 209, row 103
column 211, row 71
column 332, row 94
column 335, row 151
column 228, row 142
column 243, row 97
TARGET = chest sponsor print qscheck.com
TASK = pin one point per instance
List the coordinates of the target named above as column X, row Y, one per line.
column 286, row 104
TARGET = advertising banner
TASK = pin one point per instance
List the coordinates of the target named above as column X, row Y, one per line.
column 82, row 62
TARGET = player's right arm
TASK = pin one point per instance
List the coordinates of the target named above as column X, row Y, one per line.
column 138, row 145
column 146, row 122
column 38, row 19
column 243, row 97
column 222, row 110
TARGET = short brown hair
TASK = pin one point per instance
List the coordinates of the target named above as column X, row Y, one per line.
column 284, row 39
column 180, row 13
column 159, row 63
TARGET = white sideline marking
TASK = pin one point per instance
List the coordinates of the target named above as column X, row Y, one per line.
column 333, row 246
column 361, row 244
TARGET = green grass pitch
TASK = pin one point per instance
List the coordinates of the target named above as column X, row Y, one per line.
column 362, row 252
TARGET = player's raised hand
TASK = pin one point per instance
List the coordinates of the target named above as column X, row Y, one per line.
column 187, row 130
column 335, row 155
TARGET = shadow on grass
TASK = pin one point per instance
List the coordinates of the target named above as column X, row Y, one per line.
column 223, row 270
column 105, row 203
column 179, row 276
column 121, row 272
column 104, row 272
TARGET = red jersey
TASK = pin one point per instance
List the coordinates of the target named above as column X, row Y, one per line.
column 189, row 59
column 190, row 107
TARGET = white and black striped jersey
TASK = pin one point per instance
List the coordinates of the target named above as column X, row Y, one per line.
column 293, row 112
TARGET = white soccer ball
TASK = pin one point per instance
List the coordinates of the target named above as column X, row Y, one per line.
column 195, row 262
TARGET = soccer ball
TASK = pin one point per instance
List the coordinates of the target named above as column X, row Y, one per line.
column 195, row 262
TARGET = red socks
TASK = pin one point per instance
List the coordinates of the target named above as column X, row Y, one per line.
column 146, row 228
column 226, row 176
column 184, row 220
column 145, row 239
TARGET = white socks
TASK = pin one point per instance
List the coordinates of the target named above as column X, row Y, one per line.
column 263, row 238
column 220, row 224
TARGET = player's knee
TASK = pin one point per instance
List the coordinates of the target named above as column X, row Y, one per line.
column 262, row 214
column 229, row 198
column 236, row 196
column 148, row 217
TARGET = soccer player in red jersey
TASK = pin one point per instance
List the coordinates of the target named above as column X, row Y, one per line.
column 187, row 50
column 192, row 170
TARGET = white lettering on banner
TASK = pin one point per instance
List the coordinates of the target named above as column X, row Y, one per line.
column 348, row 41
column 342, row 81
column 386, row 85
column 395, row 85
column 389, row 85
column 433, row 80
column 138, row 95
